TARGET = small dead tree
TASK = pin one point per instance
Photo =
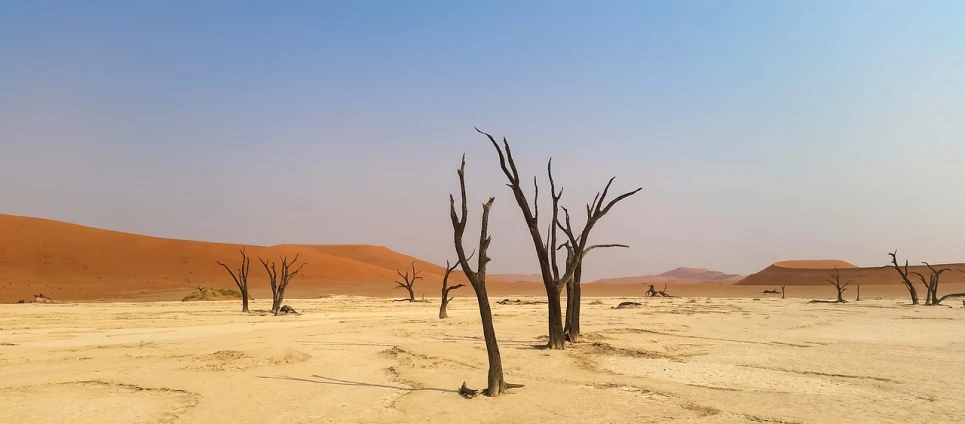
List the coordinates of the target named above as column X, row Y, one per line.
column 408, row 281
column 443, row 313
column 279, row 281
column 651, row 292
column 932, row 297
column 477, row 278
column 858, row 290
column 782, row 292
column 903, row 272
column 834, row 278
column 241, row 278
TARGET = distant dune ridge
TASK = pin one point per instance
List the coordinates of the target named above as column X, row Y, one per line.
column 814, row 272
column 682, row 275
column 518, row 278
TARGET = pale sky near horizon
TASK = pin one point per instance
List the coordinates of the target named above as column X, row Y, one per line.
column 759, row 130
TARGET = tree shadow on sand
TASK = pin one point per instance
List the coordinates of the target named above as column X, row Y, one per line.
column 338, row 382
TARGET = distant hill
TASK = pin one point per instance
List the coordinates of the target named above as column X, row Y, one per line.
column 72, row 262
column 682, row 274
column 813, row 273
column 518, row 278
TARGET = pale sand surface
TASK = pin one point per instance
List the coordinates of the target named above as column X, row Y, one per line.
column 354, row 359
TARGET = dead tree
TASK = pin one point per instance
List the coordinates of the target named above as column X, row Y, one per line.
column 408, row 282
column 546, row 248
column 904, row 277
column 571, row 328
column 477, row 278
column 782, row 292
column 446, row 289
column 241, row 279
column 650, row 292
column 932, row 297
column 858, row 290
column 279, row 282
column 834, row 279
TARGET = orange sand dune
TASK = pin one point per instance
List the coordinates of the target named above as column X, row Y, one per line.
column 73, row 262
column 814, row 264
column 781, row 274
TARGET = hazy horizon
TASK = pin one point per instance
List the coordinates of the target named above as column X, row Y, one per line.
column 759, row 131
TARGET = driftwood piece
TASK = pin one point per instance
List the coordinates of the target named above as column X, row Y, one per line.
column 285, row 310
column 628, row 305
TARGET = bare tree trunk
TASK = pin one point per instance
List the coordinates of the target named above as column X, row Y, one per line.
column 496, row 384
column 573, row 318
column 557, row 337
column 241, row 280
column 443, row 313
column 858, row 297
column 912, row 291
column 782, row 292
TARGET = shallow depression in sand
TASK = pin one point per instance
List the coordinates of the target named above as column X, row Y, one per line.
column 94, row 402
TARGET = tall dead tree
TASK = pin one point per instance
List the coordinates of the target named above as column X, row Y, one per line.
column 903, row 272
column 477, row 278
column 834, row 278
column 857, row 298
column 279, row 281
column 408, row 282
column 546, row 250
column 241, row 279
column 443, row 313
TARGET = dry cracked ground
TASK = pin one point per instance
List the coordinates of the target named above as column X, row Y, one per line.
column 351, row 359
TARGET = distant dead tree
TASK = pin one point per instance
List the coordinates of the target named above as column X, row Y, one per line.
column 903, row 272
column 834, row 279
column 931, row 287
column 241, row 278
column 546, row 250
column 771, row 292
column 446, row 289
column 782, row 292
column 651, row 292
column 201, row 289
column 477, row 278
column 40, row 298
column 279, row 281
column 408, row 281
column 858, row 290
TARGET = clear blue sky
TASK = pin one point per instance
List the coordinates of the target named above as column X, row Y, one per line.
column 759, row 130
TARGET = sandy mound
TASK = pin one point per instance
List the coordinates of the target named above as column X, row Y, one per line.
column 214, row 294
column 814, row 264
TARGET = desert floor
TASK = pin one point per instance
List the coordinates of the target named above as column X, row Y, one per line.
column 355, row 359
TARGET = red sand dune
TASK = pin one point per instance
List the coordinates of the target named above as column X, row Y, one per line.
column 73, row 262
column 810, row 273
